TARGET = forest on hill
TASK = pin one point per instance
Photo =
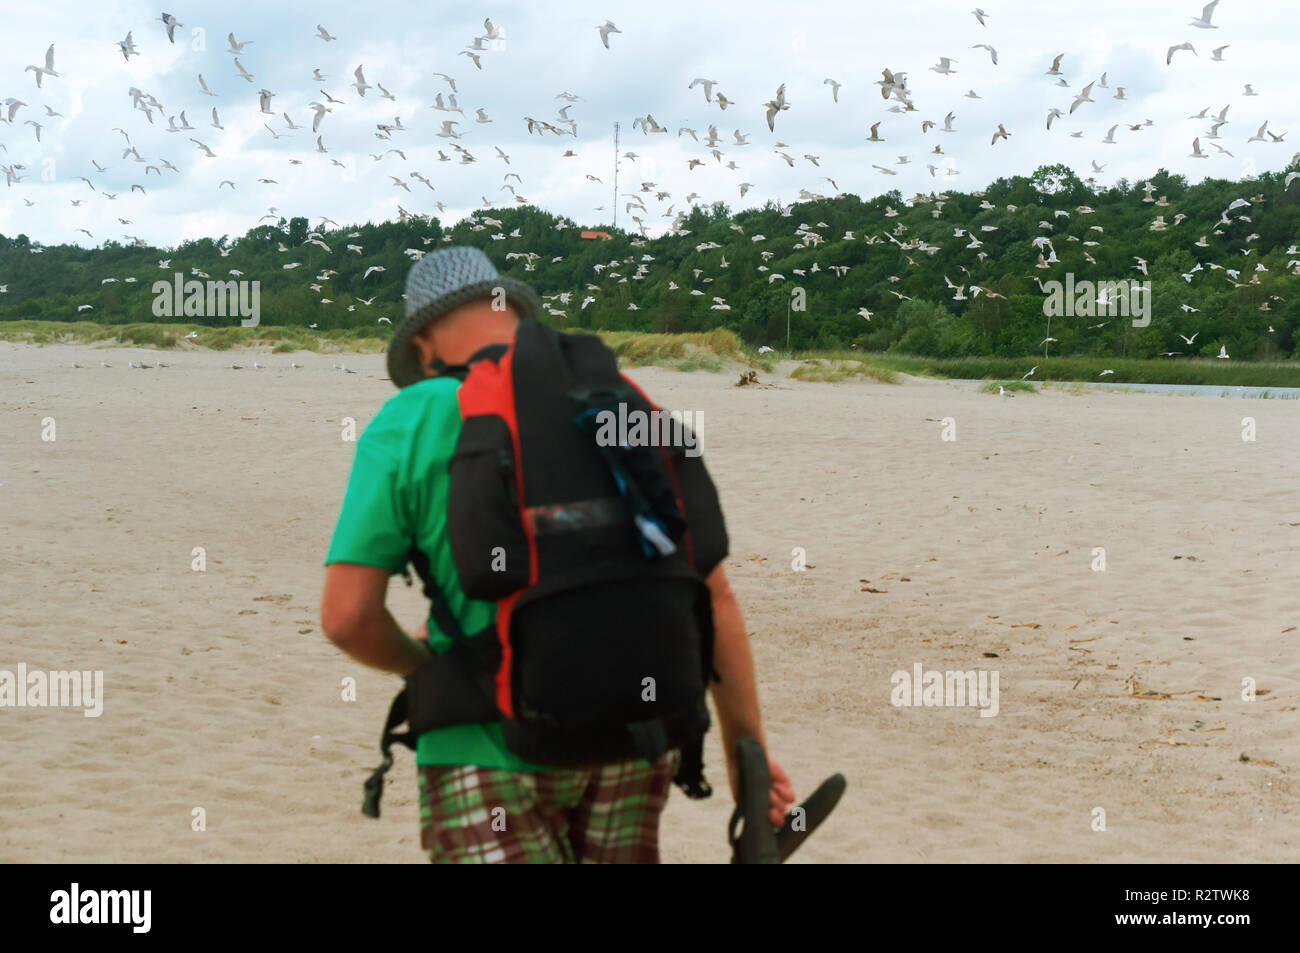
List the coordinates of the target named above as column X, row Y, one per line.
column 943, row 275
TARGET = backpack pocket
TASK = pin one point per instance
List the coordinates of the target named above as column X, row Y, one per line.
column 604, row 669
column 488, row 542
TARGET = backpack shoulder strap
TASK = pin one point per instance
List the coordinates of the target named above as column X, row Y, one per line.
column 442, row 615
column 374, row 786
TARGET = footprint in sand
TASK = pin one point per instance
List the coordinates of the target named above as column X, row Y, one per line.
column 278, row 598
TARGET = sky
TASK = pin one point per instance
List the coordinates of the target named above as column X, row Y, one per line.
column 543, row 50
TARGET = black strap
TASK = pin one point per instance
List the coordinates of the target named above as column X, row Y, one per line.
column 397, row 714
column 490, row 352
column 374, row 786
column 690, row 771
column 447, row 623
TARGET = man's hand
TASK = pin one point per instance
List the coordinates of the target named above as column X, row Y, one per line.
column 780, row 794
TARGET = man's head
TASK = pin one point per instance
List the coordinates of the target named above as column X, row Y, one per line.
column 458, row 333
column 456, row 302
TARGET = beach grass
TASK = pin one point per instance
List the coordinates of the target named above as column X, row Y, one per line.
column 701, row 362
column 704, row 350
column 168, row 336
column 829, row 369
column 1086, row 369
column 992, row 387
column 1072, row 369
column 1074, row 388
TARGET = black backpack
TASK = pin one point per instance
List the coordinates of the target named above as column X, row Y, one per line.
column 595, row 554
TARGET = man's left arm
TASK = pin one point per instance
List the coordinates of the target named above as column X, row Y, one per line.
column 354, row 617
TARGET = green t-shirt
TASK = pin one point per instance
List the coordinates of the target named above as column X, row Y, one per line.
column 397, row 497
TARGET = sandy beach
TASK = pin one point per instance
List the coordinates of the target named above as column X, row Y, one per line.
column 1119, row 689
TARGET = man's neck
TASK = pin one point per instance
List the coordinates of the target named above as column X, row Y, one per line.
column 463, row 346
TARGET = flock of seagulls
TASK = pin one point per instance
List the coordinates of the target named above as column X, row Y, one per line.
column 153, row 125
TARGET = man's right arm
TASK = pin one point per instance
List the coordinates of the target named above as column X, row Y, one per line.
column 735, row 696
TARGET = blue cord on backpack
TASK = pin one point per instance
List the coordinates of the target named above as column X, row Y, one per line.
column 651, row 532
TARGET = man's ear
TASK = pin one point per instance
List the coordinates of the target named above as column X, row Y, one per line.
column 424, row 346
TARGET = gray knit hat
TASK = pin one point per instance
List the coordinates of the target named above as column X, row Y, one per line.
column 438, row 282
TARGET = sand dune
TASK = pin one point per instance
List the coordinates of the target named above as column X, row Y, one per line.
column 221, row 693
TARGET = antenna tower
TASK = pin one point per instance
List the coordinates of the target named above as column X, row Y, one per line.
column 616, row 175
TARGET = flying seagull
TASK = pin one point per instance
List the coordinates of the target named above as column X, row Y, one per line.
column 171, row 23
column 127, row 47
column 1203, row 21
column 47, row 70
column 360, row 85
column 708, row 85
column 320, row 111
column 776, row 105
column 606, row 29
column 1082, row 98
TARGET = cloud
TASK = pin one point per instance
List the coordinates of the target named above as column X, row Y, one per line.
column 749, row 49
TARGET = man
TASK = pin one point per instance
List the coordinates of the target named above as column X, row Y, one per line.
column 479, row 802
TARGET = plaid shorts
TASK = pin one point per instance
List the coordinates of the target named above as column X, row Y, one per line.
column 606, row 815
